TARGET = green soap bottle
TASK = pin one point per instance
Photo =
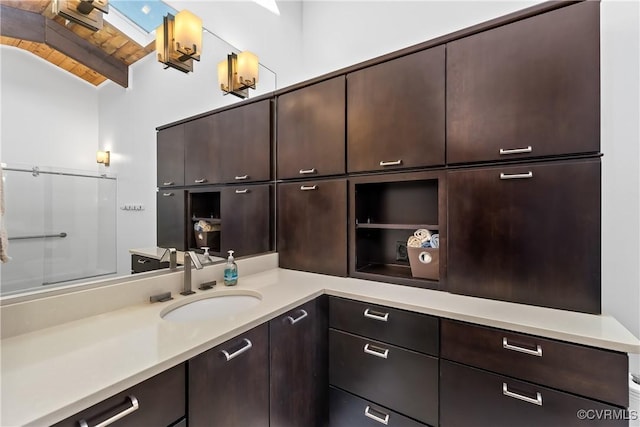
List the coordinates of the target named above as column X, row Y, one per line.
column 230, row 271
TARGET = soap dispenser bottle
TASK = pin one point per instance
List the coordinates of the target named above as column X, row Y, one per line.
column 230, row 271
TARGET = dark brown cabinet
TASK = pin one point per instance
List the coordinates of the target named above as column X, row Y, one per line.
column 203, row 154
column 158, row 401
column 312, row 227
column 229, row 384
column 528, row 233
column 526, row 89
column 299, row 378
column 396, row 113
column 246, row 219
column 242, row 137
column 171, row 219
column 170, row 156
column 140, row 264
column 311, row 130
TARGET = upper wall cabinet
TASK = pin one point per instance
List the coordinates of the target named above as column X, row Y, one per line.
column 243, row 136
column 526, row 89
column 171, row 156
column 202, row 153
column 311, row 129
column 396, row 113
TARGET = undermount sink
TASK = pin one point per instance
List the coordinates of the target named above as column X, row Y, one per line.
column 216, row 306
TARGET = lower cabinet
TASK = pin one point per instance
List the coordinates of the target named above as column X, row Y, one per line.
column 229, row 385
column 140, row 264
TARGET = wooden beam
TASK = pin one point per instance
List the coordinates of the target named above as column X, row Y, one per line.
column 21, row 24
column 60, row 38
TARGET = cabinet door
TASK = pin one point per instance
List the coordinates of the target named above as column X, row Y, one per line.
column 299, row 377
column 244, row 135
column 229, row 384
column 311, row 130
column 312, row 226
column 246, row 219
column 202, row 152
column 530, row 88
column 395, row 113
column 140, row 264
column 527, row 234
column 171, row 220
column 170, row 156
column 472, row 397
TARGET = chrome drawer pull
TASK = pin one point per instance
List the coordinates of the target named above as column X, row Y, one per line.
column 308, row 187
column 134, row 407
column 367, row 413
column 143, row 261
column 536, row 352
column 167, row 194
column 536, row 401
column 239, row 352
column 516, row 175
column 376, row 351
column 383, row 317
column 245, row 191
column 516, row 150
column 393, row 163
column 297, row 319
column 200, row 181
column 168, row 183
column 241, row 177
column 307, row 171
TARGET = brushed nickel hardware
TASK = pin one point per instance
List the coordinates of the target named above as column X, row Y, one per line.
column 376, row 315
column 201, row 180
column 392, row 163
column 190, row 258
column 516, row 175
column 167, row 194
column 515, row 150
column 308, row 187
column 367, row 413
column 376, row 351
column 245, row 191
column 307, row 171
column 170, row 255
column 134, row 407
column 246, row 347
column 168, row 183
column 166, row 296
column 536, row 401
column 39, row 236
column 297, row 319
column 536, row 352
column 241, row 177
column 143, row 261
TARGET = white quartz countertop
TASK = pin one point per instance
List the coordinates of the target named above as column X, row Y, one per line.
column 50, row 374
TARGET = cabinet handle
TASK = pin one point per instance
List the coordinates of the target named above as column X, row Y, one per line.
column 376, row 351
column 516, row 175
column 245, row 191
column 241, row 177
column 307, row 171
column 247, row 346
column 536, row 352
column 134, row 407
column 516, row 150
column 200, row 181
column 167, row 194
column 143, row 261
column 168, row 183
column 383, row 317
column 393, row 163
column 367, row 413
column 536, row 401
column 308, row 187
column 297, row 319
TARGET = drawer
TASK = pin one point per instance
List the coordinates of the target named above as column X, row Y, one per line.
column 595, row 373
column 415, row 331
column 161, row 401
column 347, row 410
column 473, row 397
column 140, row 264
column 399, row 379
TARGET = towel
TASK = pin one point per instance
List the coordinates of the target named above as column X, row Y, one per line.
column 4, row 241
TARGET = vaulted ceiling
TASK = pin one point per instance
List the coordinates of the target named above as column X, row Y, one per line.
column 94, row 56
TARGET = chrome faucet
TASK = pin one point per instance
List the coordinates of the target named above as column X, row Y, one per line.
column 170, row 255
column 190, row 258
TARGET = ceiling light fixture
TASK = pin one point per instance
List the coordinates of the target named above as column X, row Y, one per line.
column 179, row 41
column 238, row 73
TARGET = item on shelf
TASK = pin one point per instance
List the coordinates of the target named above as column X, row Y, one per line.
column 435, row 240
column 424, row 256
column 203, row 225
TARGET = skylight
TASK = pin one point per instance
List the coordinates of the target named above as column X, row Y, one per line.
column 146, row 14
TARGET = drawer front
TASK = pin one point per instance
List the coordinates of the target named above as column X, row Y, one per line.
column 348, row 410
column 398, row 379
column 403, row 328
column 160, row 401
column 590, row 372
column 472, row 397
column 141, row 264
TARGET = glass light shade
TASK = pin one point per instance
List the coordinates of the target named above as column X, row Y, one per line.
column 103, row 157
column 247, row 68
column 188, row 33
column 160, row 43
column 223, row 74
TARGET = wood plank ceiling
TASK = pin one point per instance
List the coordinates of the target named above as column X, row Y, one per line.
column 109, row 40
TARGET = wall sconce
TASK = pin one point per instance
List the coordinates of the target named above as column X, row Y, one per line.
column 103, row 157
column 238, row 73
column 179, row 41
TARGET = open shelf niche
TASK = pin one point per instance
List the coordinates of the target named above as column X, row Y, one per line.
column 204, row 206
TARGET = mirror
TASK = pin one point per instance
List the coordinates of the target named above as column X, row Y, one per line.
column 57, row 122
